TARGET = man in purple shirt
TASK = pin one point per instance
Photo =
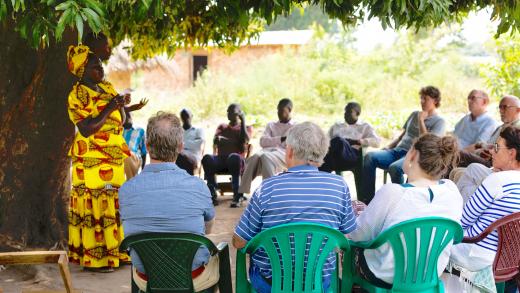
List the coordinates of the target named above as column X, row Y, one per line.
column 229, row 146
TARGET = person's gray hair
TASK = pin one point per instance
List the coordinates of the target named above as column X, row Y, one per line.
column 515, row 99
column 308, row 141
column 164, row 134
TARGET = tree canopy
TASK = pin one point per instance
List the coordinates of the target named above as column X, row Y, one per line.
column 302, row 19
column 156, row 26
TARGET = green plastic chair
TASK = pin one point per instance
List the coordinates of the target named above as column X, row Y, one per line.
column 416, row 258
column 306, row 281
column 168, row 257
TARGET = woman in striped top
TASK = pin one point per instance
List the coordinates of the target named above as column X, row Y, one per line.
column 496, row 197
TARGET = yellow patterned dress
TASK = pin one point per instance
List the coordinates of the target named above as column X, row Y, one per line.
column 95, row 229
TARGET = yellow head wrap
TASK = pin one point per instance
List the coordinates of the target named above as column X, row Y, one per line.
column 77, row 57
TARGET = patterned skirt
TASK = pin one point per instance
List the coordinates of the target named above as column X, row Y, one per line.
column 95, row 230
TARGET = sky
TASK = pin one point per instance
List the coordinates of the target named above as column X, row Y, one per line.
column 477, row 29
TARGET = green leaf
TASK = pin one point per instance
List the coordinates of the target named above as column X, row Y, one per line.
column 61, row 24
column 3, row 9
column 36, row 34
column 23, row 29
column 92, row 16
column 146, row 3
column 79, row 27
column 94, row 5
column 64, row 5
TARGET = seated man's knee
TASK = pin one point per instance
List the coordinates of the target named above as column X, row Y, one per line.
column 395, row 169
column 337, row 141
column 207, row 160
column 369, row 158
column 264, row 159
column 234, row 162
column 476, row 166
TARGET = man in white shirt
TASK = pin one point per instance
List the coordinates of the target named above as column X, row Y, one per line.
column 191, row 155
column 346, row 140
column 271, row 159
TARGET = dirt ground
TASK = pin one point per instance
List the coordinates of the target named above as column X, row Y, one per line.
column 16, row 279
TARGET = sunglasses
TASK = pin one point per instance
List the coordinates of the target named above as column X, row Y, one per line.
column 497, row 147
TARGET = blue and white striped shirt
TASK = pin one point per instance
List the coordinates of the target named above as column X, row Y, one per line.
column 497, row 197
column 135, row 140
column 302, row 194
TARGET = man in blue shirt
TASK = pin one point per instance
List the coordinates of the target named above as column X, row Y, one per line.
column 134, row 137
column 164, row 198
column 477, row 126
column 302, row 194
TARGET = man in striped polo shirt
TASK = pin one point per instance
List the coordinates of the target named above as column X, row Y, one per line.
column 302, row 194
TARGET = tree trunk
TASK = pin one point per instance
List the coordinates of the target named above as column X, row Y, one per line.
column 35, row 135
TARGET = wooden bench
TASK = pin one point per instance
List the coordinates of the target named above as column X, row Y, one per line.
column 41, row 257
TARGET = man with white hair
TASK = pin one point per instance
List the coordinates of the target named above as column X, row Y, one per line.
column 479, row 162
column 302, row 194
column 509, row 109
column 165, row 198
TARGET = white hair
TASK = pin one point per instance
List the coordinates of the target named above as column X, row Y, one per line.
column 308, row 141
column 514, row 98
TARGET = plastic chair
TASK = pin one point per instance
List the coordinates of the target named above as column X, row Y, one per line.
column 506, row 265
column 357, row 170
column 416, row 245
column 168, row 257
column 288, row 269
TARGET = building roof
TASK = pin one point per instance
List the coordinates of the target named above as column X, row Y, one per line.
column 121, row 61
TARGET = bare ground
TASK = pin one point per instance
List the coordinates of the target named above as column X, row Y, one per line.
column 16, row 279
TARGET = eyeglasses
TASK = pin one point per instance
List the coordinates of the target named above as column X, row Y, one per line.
column 496, row 147
column 504, row 107
column 472, row 98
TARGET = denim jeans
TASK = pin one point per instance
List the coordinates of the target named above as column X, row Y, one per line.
column 391, row 160
column 261, row 285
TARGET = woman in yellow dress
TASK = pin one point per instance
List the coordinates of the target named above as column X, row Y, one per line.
column 98, row 152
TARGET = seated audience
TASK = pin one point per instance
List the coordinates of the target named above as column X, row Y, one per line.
column 164, row 198
column 134, row 137
column 509, row 109
column 478, row 125
column 392, row 157
column 282, row 199
column 425, row 195
column 230, row 144
column 193, row 140
column 346, row 140
column 497, row 197
column 271, row 159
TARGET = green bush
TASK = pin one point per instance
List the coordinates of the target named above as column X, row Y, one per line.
column 326, row 74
